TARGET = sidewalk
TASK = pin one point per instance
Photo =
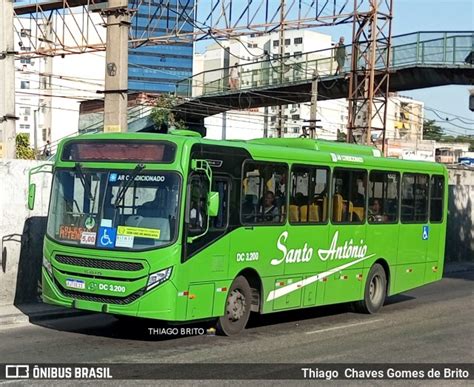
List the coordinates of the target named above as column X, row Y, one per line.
column 10, row 314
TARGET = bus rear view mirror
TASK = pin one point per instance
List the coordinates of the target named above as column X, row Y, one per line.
column 213, row 203
column 31, row 196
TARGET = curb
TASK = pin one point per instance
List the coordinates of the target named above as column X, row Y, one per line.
column 20, row 317
column 458, row 268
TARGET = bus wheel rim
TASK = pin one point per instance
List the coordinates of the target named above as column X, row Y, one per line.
column 375, row 289
column 236, row 305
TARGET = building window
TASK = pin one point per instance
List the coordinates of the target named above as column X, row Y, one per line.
column 295, row 129
column 25, row 60
column 276, row 43
column 298, row 54
column 24, row 127
column 295, row 116
column 25, row 32
column 287, row 42
column 298, row 40
column 24, row 84
column 46, row 134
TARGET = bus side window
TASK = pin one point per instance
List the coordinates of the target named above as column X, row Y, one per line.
column 383, row 197
column 222, row 186
column 263, row 194
column 308, row 195
column 436, row 198
column 197, row 210
column 414, row 198
column 349, row 196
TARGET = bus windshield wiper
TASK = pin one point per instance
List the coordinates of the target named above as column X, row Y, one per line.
column 84, row 182
column 123, row 188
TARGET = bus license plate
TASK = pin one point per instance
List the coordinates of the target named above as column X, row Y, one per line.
column 75, row 283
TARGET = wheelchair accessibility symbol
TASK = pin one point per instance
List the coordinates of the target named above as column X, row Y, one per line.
column 106, row 237
column 426, row 233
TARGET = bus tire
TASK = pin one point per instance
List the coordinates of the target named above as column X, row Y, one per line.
column 237, row 308
column 375, row 291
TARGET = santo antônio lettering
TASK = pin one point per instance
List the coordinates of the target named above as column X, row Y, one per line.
column 349, row 250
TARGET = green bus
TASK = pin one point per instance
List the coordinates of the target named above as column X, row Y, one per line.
column 178, row 228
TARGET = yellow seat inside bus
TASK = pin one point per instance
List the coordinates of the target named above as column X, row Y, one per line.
column 313, row 213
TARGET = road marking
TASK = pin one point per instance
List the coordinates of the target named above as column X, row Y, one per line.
column 344, row 326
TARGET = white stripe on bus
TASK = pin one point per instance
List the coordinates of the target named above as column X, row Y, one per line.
column 274, row 294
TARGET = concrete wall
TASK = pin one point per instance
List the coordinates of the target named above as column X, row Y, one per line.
column 21, row 231
column 460, row 234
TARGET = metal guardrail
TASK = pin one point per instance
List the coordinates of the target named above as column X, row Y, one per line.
column 420, row 48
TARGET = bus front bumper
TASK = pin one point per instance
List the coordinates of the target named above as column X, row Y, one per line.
column 159, row 303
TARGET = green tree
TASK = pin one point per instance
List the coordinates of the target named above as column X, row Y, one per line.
column 431, row 131
column 23, row 150
column 162, row 114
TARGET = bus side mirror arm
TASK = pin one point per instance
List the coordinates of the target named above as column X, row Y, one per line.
column 43, row 168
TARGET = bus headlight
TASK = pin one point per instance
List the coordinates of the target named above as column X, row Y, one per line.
column 47, row 266
column 158, row 278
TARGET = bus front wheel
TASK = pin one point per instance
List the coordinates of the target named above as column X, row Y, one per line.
column 237, row 309
column 375, row 291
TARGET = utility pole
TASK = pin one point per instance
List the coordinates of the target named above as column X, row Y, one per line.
column 281, row 53
column 116, row 71
column 224, row 125
column 314, row 104
column 7, row 76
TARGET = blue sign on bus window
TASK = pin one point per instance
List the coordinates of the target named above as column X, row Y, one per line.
column 106, row 237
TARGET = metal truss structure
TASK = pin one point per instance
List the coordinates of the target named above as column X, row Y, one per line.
column 64, row 27
column 75, row 28
column 369, row 78
column 59, row 28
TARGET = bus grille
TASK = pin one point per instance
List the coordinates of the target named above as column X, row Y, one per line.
column 99, row 263
column 99, row 297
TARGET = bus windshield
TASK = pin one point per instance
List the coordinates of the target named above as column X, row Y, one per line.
column 104, row 209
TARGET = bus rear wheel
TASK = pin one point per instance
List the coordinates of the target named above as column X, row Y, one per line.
column 237, row 310
column 375, row 291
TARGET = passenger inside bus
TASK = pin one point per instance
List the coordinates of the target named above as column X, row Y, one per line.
column 196, row 215
column 271, row 213
column 375, row 212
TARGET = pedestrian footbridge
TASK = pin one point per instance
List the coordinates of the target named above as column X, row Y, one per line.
column 417, row 60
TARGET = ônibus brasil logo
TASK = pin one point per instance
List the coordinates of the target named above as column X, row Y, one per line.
column 347, row 251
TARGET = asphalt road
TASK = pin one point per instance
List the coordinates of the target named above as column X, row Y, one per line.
column 431, row 324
